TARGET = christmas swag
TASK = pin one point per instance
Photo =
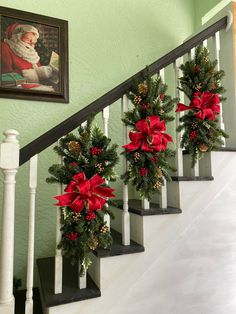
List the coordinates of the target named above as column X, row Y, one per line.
column 201, row 83
column 147, row 152
column 88, row 160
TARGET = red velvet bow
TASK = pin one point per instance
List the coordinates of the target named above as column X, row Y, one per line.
column 206, row 105
column 149, row 135
column 82, row 192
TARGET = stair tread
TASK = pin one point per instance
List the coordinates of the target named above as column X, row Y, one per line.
column 226, row 149
column 118, row 248
column 70, row 291
column 135, row 206
column 192, row 178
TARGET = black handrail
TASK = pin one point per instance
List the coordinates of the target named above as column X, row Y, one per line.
column 98, row 105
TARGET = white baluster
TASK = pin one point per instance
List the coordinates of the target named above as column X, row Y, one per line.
column 82, row 280
column 217, row 56
column 145, row 204
column 195, row 170
column 162, row 74
column 105, row 114
column 125, row 213
column 205, row 43
column 163, row 190
column 58, row 256
column 180, row 96
column 105, row 130
column 9, row 163
column 84, row 124
column 192, row 53
column 30, row 263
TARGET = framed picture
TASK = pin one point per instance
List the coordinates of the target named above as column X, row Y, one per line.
column 34, row 56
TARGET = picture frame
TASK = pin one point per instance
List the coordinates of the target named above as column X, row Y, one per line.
column 33, row 56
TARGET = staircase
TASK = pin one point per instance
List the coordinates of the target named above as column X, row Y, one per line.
column 160, row 270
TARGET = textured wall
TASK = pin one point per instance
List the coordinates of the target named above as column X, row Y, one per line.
column 108, row 42
column 202, row 7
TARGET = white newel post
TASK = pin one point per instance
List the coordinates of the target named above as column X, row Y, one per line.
column 125, row 213
column 105, row 114
column 58, row 256
column 9, row 163
column 30, row 261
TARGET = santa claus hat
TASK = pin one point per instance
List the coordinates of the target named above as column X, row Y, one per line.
column 17, row 28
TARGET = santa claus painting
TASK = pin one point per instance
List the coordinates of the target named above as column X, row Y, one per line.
column 19, row 56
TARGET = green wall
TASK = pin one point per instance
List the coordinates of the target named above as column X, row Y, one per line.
column 109, row 41
column 202, row 7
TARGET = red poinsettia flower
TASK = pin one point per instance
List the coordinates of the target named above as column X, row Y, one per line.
column 83, row 192
column 149, row 135
column 206, row 105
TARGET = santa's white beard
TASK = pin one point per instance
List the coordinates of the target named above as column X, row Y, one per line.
column 23, row 50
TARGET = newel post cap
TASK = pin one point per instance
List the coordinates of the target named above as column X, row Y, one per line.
column 9, row 150
column 11, row 136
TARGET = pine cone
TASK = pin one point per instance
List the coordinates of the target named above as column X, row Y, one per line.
column 143, row 89
column 159, row 173
column 74, row 147
column 203, row 147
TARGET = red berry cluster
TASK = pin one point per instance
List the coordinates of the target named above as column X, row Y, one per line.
column 162, row 96
column 154, row 159
column 72, row 236
column 197, row 68
column 73, row 164
column 193, row 135
column 143, row 171
column 145, row 106
column 90, row 216
column 96, row 150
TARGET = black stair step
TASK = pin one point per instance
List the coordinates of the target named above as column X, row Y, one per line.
column 70, row 291
column 192, row 178
column 226, row 149
column 118, row 248
column 20, row 296
column 135, row 206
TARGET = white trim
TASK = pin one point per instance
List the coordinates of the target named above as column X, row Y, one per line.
column 215, row 10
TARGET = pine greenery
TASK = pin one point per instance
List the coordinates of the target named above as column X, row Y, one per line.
column 200, row 75
column 147, row 169
column 90, row 152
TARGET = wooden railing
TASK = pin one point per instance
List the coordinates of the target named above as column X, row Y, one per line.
column 9, row 155
column 116, row 93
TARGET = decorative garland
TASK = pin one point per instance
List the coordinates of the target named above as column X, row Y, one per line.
column 88, row 159
column 201, row 83
column 147, row 152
